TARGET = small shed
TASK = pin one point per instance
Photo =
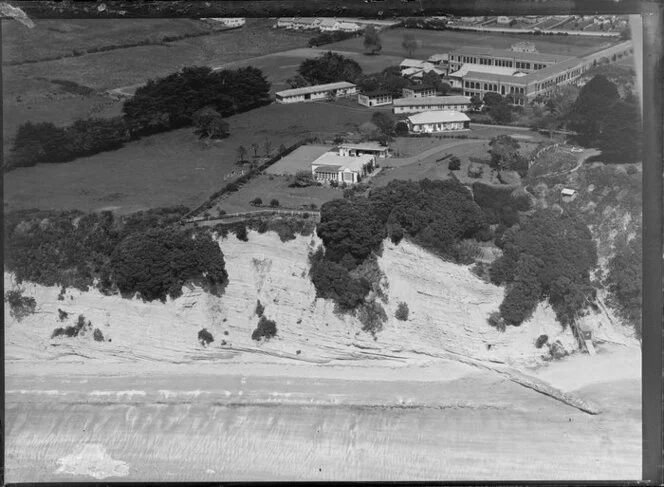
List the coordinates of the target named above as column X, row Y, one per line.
column 568, row 194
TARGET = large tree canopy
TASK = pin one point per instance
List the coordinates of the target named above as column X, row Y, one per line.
column 329, row 68
column 372, row 41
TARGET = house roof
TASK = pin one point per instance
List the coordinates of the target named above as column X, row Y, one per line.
column 508, row 54
column 418, row 88
column 433, row 100
column 327, row 168
column 315, row 89
column 375, row 93
column 479, row 68
column 411, row 71
column 438, row 116
column 438, row 57
column 333, row 159
column 519, row 79
column 375, row 146
column 328, row 23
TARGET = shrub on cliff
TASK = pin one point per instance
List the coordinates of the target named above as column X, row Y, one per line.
column 205, row 337
column 19, row 306
column 265, row 329
column 402, row 312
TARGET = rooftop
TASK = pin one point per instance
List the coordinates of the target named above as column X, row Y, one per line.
column 438, row 57
column 419, row 88
column 466, row 68
column 433, row 100
column 377, row 93
column 333, row 159
column 438, row 116
column 315, row 89
column 508, row 54
column 375, row 146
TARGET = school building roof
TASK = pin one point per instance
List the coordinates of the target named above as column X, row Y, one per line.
column 315, row 89
column 438, row 116
column 433, row 100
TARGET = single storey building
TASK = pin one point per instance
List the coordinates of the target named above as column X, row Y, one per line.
column 374, row 149
column 437, row 121
column 317, row 92
column 332, row 166
column 415, row 105
column 418, row 91
column 375, row 98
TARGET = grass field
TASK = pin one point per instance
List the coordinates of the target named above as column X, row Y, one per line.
column 66, row 37
column 275, row 187
column 434, row 42
column 171, row 168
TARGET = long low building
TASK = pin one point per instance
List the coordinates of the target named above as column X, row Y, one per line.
column 437, row 121
column 333, row 166
column 375, row 98
column 365, row 148
column 432, row 103
column 316, row 92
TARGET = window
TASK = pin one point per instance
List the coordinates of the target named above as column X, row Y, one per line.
column 485, row 87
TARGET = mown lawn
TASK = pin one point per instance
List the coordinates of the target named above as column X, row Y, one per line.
column 434, row 42
column 275, row 187
column 171, row 168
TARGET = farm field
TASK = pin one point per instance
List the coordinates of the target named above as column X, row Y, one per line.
column 434, row 42
column 29, row 95
column 66, row 37
column 298, row 160
column 171, row 168
column 275, row 187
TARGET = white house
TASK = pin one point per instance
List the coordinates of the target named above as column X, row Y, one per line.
column 418, row 91
column 332, row 166
column 502, row 20
column 317, row 92
column 415, row 105
column 327, row 25
column 228, row 21
column 285, row 23
column 438, row 59
column 568, row 194
column 374, row 149
column 375, row 98
column 437, row 121
column 348, row 27
column 415, row 63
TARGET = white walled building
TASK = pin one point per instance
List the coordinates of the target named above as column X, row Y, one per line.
column 415, row 105
column 437, row 121
column 374, row 149
column 333, row 166
column 316, row 92
column 375, row 98
column 418, row 91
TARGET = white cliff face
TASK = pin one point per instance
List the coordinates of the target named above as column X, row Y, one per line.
column 448, row 311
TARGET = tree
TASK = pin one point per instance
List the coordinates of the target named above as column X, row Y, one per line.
column 454, row 164
column 242, row 152
column 329, row 68
column 432, row 79
column 409, row 43
column 256, row 202
column 504, row 152
column 502, row 111
column 209, row 123
column 401, row 128
column 297, row 82
column 592, row 109
column 372, row 40
column 267, row 145
column 384, row 123
column 402, row 312
column 255, row 147
column 491, row 99
column 475, row 103
column 274, row 203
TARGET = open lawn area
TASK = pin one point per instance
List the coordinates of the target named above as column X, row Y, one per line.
column 170, row 168
column 275, row 187
column 29, row 94
column 435, row 42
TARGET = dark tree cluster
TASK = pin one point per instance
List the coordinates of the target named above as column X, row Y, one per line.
column 44, row 142
column 329, row 68
column 332, row 37
column 80, row 328
column 20, row 306
column 499, row 204
column 172, row 102
column 547, row 256
column 139, row 253
column 623, row 280
column 435, row 214
column 602, row 119
column 266, row 329
column 389, row 80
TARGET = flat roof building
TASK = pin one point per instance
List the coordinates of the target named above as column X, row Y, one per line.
column 375, row 98
column 431, row 103
column 437, row 121
column 317, row 92
column 333, row 166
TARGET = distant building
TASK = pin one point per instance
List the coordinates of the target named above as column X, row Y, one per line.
column 568, row 194
column 317, row 92
column 375, row 98
column 524, row 46
column 374, row 149
column 348, row 27
column 415, row 63
column 523, row 75
column 437, row 121
column 438, row 59
column 228, row 21
column 502, row 20
column 431, row 103
column 298, row 23
column 418, row 91
column 332, row 166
